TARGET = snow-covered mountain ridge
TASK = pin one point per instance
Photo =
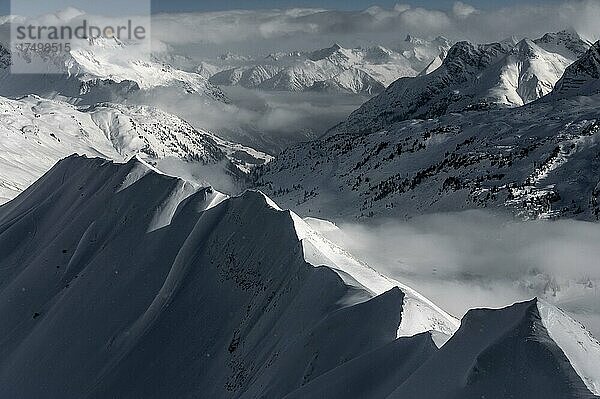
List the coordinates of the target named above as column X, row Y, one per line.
column 582, row 78
column 91, row 236
column 503, row 74
column 503, row 160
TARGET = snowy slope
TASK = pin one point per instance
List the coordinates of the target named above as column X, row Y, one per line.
column 434, row 64
column 504, row 74
column 567, row 43
column 421, row 53
column 529, row 72
column 504, row 353
column 505, row 159
column 249, row 77
column 35, row 133
column 108, row 59
column 350, row 80
column 373, row 375
column 419, row 314
column 154, row 133
column 126, row 274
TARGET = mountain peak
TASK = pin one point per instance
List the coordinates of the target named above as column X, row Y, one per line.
column 105, row 42
column 526, row 42
column 482, row 354
column 567, row 43
column 565, row 34
column 570, row 33
column 465, row 56
column 526, row 48
column 417, row 40
column 321, row 54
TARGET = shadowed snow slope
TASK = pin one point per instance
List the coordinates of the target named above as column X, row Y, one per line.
column 118, row 281
column 216, row 302
column 505, row 353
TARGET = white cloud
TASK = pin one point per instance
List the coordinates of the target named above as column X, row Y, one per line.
column 462, row 10
column 310, row 28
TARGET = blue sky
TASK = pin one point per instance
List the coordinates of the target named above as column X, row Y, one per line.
column 213, row 5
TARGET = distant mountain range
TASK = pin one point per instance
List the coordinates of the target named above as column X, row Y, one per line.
column 334, row 69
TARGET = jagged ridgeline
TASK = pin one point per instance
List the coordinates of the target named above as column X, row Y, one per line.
column 119, row 281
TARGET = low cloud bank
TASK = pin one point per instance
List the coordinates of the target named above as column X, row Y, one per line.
column 475, row 259
column 268, row 121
